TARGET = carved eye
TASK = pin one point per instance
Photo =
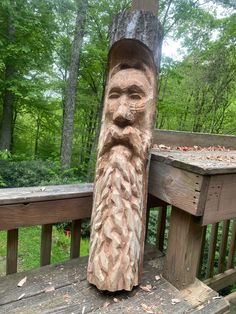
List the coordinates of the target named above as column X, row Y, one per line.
column 114, row 96
column 135, row 96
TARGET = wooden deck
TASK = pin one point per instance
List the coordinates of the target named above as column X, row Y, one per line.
column 63, row 289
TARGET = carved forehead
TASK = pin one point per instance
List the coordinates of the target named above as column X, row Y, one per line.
column 127, row 77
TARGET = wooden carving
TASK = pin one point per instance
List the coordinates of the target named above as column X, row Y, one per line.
column 120, row 191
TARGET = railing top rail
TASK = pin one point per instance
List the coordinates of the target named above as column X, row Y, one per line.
column 182, row 138
column 44, row 193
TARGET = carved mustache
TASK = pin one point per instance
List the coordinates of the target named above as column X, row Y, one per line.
column 130, row 137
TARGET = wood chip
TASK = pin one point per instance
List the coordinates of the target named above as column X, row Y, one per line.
column 175, row 301
column 22, row 282
column 21, row 296
column 49, row 289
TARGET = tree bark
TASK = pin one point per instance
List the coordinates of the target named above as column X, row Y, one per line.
column 8, row 98
column 71, row 90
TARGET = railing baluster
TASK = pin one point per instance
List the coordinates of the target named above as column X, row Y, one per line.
column 161, row 226
column 46, row 245
column 230, row 262
column 202, row 251
column 212, row 250
column 223, row 246
column 75, row 238
column 12, row 251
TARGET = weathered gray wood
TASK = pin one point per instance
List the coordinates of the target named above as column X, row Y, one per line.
column 44, row 193
column 180, row 138
column 230, row 262
column 75, row 238
column 221, row 199
column 222, row 280
column 180, row 188
column 212, row 250
column 200, row 162
column 161, row 227
column 46, row 245
column 183, row 250
column 72, row 293
column 140, row 26
column 223, row 246
column 46, row 212
column 12, row 251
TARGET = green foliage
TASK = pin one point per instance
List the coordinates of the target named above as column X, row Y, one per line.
column 33, row 173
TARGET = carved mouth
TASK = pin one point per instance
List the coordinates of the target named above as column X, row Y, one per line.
column 128, row 137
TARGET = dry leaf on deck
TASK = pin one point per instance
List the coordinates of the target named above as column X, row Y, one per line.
column 22, row 282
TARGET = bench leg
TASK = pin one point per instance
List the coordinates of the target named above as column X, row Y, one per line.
column 184, row 249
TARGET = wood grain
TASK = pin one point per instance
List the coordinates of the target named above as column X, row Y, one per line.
column 200, row 162
column 184, row 249
column 177, row 187
column 12, row 251
column 221, row 199
column 222, row 280
column 40, row 213
column 75, row 238
column 46, row 245
column 223, row 246
column 44, row 193
column 72, row 293
column 161, row 228
column 230, row 262
column 212, row 250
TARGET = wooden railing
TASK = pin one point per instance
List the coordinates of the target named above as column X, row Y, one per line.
column 219, row 239
column 45, row 206
column 217, row 260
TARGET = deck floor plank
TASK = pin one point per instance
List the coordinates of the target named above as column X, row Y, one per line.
column 71, row 293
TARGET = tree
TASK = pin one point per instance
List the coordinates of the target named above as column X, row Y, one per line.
column 70, row 96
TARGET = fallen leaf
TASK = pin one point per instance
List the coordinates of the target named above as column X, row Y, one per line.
column 146, row 308
column 106, row 304
column 21, row 296
column 22, row 282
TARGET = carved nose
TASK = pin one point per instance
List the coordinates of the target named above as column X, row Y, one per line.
column 123, row 116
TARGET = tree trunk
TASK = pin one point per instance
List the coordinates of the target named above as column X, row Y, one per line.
column 8, row 98
column 70, row 97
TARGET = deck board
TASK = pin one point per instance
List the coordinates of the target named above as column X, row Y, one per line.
column 201, row 162
column 72, row 293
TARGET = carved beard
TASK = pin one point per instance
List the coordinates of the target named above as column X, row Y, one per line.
column 118, row 210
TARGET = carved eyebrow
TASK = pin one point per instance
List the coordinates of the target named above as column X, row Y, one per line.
column 115, row 89
column 135, row 89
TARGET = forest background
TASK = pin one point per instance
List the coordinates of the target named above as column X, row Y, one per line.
column 53, row 57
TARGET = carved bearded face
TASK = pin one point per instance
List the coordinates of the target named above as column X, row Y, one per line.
column 120, row 186
column 128, row 96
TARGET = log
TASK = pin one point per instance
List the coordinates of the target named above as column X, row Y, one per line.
column 120, row 190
